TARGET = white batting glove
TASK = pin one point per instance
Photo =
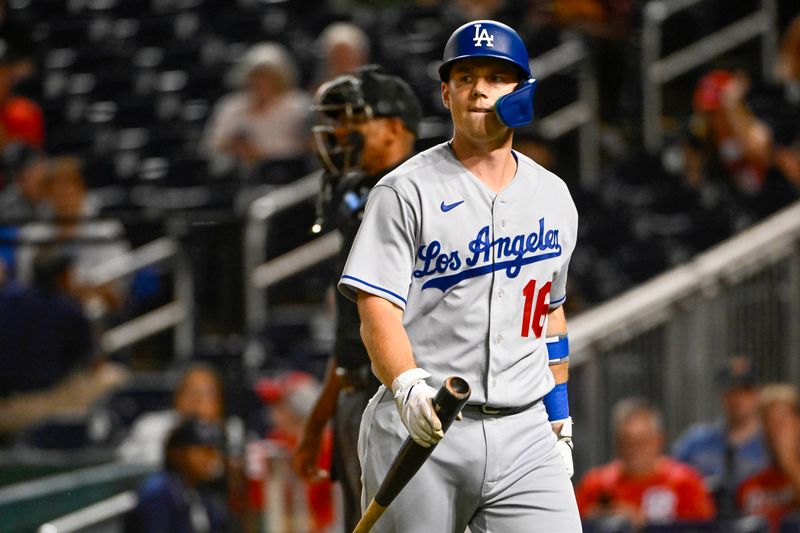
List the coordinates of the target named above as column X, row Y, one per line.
column 413, row 399
column 564, row 444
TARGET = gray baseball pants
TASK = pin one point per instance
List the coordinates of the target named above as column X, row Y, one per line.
column 495, row 474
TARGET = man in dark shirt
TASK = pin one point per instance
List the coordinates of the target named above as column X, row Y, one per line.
column 371, row 120
column 175, row 500
column 47, row 353
column 44, row 334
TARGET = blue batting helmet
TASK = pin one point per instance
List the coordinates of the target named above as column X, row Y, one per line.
column 489, row 38
column 485, row 38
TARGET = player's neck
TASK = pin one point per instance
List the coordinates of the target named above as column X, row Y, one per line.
column 491, row 162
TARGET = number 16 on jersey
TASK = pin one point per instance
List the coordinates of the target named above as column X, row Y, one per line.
column 535, row 309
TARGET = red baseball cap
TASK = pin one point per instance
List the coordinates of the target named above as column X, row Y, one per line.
column 708, row 92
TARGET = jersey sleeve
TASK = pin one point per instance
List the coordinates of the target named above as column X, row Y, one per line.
column 382, row 257
column 558, row 292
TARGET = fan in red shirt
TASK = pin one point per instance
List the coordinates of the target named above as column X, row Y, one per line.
column 20, row 118
column 775, row 491
column 643, row 485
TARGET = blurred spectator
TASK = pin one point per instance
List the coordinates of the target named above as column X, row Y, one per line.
column 16, row 35
column 731, row 449
column 726, row 140
column 537, row 148
column 199, row 395
column 267, row 117
column 290, row 398
column 24, row 171
column 176, row 500
column 48, row 361
column 21, row 119
column 786, row 111
column 775, row 491
column 643, row 485
column 787, row 65
column 342, row 48
column 91, row 242
column 786, row 160
column 466, row 10
column 606, row 25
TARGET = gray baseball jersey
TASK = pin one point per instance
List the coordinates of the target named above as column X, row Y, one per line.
column 475, row 271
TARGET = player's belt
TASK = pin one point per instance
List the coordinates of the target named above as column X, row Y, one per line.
column 500, row 411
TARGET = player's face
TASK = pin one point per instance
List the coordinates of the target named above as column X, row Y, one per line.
column 375, row 136
column 475, row 85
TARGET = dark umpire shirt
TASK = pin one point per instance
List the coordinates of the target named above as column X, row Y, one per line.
column 349, row 200
column 43, row 336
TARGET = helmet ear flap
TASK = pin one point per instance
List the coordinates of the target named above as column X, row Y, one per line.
column 515, row 109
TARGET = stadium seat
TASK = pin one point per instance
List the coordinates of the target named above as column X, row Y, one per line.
column 156, row 30
column 144, row 393
column 790, row 524
column 63, row 31
column 611, row 524
column 99, row 172
column 747, row 524
column 97, row 429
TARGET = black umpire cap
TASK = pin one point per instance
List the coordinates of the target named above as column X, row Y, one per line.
column 373, row 87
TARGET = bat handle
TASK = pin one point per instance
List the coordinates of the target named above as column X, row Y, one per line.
column 371, row 515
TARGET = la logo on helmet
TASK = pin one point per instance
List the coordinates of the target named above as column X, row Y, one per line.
column 482, row 36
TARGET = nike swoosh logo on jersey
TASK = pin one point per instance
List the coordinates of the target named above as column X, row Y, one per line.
column 447, row 207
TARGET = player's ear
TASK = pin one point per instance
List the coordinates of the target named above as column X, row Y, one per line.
column 446, row 95
column 396, row 125
column 394, row 129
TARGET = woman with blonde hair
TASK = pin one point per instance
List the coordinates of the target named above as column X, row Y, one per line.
column 266, row 117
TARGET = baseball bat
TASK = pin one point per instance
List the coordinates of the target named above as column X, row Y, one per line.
column 447, row 403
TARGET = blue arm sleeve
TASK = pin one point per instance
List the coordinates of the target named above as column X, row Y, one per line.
column 556, row 402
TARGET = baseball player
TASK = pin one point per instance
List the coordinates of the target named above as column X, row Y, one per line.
column 459, row 268
column 368, row 127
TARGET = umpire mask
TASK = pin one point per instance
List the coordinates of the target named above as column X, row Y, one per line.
column 341, row 106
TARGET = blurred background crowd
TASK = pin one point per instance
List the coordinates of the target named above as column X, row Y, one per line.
column 142, row 141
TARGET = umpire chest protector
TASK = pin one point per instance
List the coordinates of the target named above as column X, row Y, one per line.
column 488, row 38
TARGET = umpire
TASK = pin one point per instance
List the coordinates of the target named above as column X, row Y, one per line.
column 367, row 127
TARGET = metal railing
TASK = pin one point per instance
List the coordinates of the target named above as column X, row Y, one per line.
column 666, row 339
column 30, row 505
column 259, row 216
column 177, row 314
column 657, row 70
column 582, row 114
column 106, row 515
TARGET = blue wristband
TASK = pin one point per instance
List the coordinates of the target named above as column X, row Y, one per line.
column 556, row 402
column 558, row 349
